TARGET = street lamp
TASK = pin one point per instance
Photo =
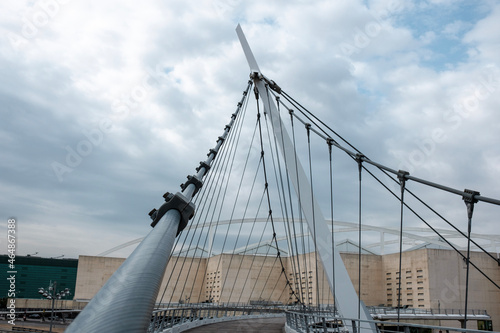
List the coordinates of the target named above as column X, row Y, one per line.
column 52, row 294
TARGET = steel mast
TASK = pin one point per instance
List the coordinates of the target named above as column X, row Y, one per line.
column 346, row 298
column 126, row 301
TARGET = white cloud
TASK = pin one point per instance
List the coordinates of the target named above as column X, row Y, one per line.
column 485, row 36
column 168, row 75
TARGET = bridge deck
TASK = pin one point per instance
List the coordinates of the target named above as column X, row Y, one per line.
column 262, row 325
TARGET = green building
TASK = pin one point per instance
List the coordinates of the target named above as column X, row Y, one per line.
column 35, row 272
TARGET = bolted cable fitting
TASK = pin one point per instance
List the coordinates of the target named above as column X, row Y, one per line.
column 212, row 151
column 192, row 180
column 402, row 176
column 174, row 201
column 470, row 200
column 359, row 158
column 205, row 165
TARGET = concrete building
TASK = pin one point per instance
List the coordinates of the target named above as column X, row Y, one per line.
column 431, row 278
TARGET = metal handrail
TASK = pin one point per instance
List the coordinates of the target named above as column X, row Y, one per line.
column 180, row 314
column 308, row 322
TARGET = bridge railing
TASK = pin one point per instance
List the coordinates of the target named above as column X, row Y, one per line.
column 183, row 317
column 374, row 310
column 324, row 322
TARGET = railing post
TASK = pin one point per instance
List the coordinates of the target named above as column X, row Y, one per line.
column 162, row 323
column 155, row 318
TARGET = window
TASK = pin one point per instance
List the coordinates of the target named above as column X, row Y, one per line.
column 420, row 306
column 420, row 282
column 420, row 299
column 410, row 300
column 408, row 282
column 420, row 276
column 420, row 294
column 419, row 271
column 388, row 273
column 420, row 288
column 409, row 294
column 389, row 294
column 389, row 284
column 409, row 288
column 389, row 289
column 408, row 272
column 388, row 279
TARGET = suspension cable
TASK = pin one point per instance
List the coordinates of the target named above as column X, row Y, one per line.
column 402, row 179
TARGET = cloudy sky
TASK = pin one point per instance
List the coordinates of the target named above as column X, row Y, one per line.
column 107, row 105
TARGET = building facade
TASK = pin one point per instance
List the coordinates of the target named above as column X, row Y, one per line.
column 35, row 272
column 430, row 279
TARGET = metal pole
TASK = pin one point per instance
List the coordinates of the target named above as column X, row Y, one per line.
column 53, row 300
column 469, row 202
column 126, row 301
column 346, row 297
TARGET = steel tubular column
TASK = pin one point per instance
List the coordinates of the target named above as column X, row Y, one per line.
column 345, row 297
column 125, row 302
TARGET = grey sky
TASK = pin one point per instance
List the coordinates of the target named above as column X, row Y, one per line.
column 105, row 106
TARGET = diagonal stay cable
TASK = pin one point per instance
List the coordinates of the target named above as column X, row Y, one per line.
column 215, row 165
column 299, row 299
column 250, row 194
column 221, row 206
column 432, row 228
column 387, row 170
column 267, row 191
